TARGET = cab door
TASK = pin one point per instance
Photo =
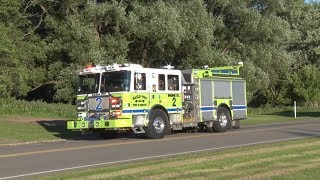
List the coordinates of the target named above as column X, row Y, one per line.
column 140, row 95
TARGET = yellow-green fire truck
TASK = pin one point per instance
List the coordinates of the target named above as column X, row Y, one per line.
column 129, row 97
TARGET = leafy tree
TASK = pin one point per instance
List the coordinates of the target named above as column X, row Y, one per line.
column 307, row 85
column 20, row 52
column 255, row 32
column 44, row 42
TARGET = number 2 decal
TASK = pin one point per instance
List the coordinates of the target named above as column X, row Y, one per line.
column 174, row 101
column 99, row 101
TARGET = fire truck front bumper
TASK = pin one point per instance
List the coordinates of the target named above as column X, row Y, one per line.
column 99, row 124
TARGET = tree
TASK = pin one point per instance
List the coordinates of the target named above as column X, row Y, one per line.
column 20, row 52
column 44, row 42
column 255, row 32
column 307, row 86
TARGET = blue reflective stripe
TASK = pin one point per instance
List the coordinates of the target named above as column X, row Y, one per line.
column 135, row 110
column 147, row 110
column 212, row 108
column 174, row 109
column 207, row 108
column 239, row 107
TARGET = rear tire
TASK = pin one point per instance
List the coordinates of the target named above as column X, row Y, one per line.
column 223, row 122
column 157, row 125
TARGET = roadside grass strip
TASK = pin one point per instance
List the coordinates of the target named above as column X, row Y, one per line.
column 268, row 161
column 267, row 119
column 23, row 132
column 18, row 132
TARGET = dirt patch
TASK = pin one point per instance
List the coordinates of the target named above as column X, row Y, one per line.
column 5, row 142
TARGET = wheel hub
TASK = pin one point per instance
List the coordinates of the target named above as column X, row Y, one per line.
column 223, row 120
column 158, row 124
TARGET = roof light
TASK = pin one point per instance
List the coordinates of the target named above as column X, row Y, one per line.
column 98, row 67
column 168, row 66
column 115, row 66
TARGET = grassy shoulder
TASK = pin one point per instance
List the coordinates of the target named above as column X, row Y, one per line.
column 297, row 159
column 23, row 121
column 33, row 131
column 280, row 114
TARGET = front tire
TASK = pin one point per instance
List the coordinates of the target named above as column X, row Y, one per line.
column 157, row 125
column 223, row 122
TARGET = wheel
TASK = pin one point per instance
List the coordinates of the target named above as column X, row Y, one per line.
column 236, row 124
column 223, row 122
column 158, row 124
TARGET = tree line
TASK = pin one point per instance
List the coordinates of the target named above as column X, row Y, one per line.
column 44, row 42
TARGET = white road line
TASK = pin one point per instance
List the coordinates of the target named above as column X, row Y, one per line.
column 149, row 157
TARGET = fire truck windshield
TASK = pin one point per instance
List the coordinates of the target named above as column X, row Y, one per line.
column 88, row 83
column 115, row 81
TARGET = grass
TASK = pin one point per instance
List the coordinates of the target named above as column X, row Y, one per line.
column 280, row 114
column 36, row 121
column 298, row 159
column 14, row 132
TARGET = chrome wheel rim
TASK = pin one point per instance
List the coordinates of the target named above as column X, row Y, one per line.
column 158, row 124
column 223, row 120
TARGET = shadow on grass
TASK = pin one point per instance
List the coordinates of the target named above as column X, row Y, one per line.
column 59, row 129
column 299, row 114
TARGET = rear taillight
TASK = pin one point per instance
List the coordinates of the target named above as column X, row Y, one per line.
column 115, row 103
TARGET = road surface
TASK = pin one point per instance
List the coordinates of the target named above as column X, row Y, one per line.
column 29, row 160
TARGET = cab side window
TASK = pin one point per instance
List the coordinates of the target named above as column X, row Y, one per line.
column 173, row 82
column 161, row 82
column 140, row 81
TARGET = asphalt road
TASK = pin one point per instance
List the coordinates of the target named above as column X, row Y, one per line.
column 30, row 160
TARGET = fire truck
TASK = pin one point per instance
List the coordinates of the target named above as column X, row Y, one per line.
column 156, row 102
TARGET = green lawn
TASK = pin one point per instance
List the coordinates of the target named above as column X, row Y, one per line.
column 298, row 159
column 23, row 121
column 41, row 130
column 280, row 114
column 275, row 118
